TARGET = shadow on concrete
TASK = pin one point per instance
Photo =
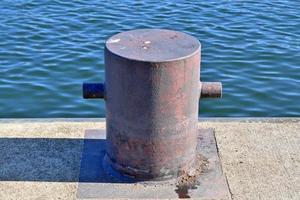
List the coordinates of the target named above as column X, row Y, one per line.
column 57, row 159
column 52, row 160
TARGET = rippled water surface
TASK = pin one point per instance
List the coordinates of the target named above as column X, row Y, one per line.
column 49, row 47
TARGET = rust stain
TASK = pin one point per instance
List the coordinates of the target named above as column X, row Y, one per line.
column 190, row 179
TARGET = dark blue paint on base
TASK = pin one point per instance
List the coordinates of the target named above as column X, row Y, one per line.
column 94, row 168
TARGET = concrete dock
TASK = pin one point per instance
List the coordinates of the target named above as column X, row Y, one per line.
column 40, row 158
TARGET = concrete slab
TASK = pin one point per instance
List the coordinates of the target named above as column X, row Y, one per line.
column 260, row 157
column 95, row 180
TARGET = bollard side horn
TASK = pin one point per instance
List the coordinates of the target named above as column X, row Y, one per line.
column 93, row 90
column 210, row 90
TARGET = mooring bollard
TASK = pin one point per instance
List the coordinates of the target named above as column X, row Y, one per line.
column 152, row 88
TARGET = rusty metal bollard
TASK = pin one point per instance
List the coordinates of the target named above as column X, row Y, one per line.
column 152, row 88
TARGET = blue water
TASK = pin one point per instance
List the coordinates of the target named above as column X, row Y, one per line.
column 49, row 47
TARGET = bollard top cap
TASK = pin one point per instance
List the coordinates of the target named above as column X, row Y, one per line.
column 153, row 45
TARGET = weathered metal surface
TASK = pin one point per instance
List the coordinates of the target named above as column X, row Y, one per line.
column 153, row 45
column 152, row 93
column 151, row 106
column 93, row 90
column 211, row 89
column 206, row 182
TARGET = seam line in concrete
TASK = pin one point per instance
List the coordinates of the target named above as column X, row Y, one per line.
column 230, row 192
column 218, row 153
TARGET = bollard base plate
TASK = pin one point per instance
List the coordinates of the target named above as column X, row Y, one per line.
column 207, row 181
